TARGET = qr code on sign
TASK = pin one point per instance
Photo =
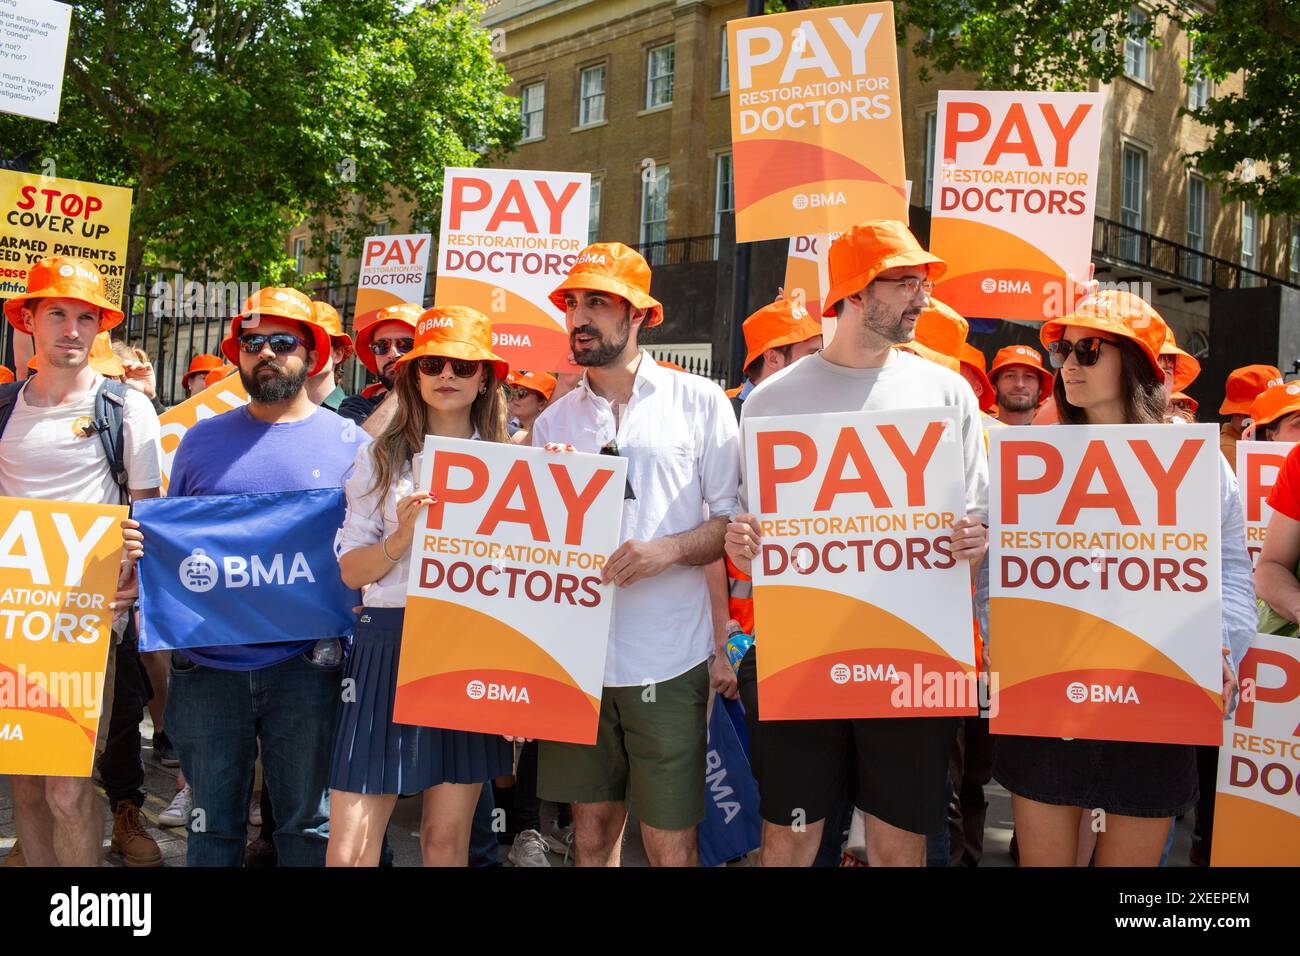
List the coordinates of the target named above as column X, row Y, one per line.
column 113, row 288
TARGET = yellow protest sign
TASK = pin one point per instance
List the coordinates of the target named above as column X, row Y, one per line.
column 222, row 397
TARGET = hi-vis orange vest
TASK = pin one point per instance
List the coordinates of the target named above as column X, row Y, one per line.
column 740, row 600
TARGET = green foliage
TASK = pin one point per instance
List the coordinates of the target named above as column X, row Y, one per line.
column 234, row 120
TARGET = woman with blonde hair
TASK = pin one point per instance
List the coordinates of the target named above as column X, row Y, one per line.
column 448, row 385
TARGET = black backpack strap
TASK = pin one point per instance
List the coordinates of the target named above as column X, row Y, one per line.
column 8, row 398
column 110, row 410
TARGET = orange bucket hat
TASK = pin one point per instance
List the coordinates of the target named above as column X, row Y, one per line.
column 612, row 267
column 63, row 277
column 1179, row 398
column 1027, row 357
column 456, row 331
column 1186, row 368
column 100, row 358
column 408, row 313
column 1120, row 313
column 1275, row 402
column 868, row 249
column 217, row 374
column 201, row 365
column 6, row 376
column 941, row 328
column 973, row 359
column 328, row 318
column 543, row 383
column 287, row 304
column 779, row 323
column 917, row 347
column 1244, row 385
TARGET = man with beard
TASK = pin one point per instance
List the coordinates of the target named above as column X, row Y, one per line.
column 223, row 700
column 380, row 343
column 1021, row 383
column 678, row 435
column 880, row 279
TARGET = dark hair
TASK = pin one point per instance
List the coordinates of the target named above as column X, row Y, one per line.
column 1146, row 401
column 751, row 370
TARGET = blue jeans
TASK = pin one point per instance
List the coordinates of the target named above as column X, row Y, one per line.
column 216, row 717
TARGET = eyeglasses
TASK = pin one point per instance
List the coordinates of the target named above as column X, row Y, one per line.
column 1086, row 351
column 913, row 284
column 434, row 364
column 384, row 346
column 518, row 391
column 611, row 448
column 280, row 342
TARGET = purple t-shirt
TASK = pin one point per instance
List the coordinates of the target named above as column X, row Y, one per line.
column 233, row 454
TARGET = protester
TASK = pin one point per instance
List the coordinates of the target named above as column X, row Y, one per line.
column 1180, row 368
column 323, row 387
column 1275, row 414
column 529, row 393
column 880, row 279
column 679, row 438
column 1107, row 352
column 972, row 370
column 195, row 378
column 389, row 336
column 1020, row 383
column 777, row 335
column 44, row 453
column 217, row 374
column 1184, row 406
column 1243, row 387
column 448, row 385
column 224, row 700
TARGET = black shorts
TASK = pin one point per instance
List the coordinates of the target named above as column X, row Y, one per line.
column 895, row 768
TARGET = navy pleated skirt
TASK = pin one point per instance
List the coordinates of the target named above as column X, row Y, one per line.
column 374, row 755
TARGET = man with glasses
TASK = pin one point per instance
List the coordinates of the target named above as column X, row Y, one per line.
column 380, row 343
column 880, row 279
column 678, row 435
column 223, row 700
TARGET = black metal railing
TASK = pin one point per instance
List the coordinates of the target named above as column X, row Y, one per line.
column 1124, row 245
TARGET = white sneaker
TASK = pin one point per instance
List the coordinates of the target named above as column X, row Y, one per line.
column 177, row 813
column 255, row 810
column 529, row 849
column 559, row 839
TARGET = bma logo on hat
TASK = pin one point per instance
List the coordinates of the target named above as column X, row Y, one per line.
column 1021, row 350
column 66, row 271
column 1293, row 389
column 198, row 572
column 595, row 258
column 435, row 322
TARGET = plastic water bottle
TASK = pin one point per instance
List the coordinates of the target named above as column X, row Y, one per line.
column 327, row 652
column 737, row 644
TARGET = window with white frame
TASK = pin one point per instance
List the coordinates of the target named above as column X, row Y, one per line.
column 654, row 211
column 1198, row 92
column 931, row 121
column 532, row 106
column 379, row 227
column 1132, row 203
column 1194, row 268
column 724, row 192
column 591, row 95
column 724, row 81
column 300, row 255
column 593, row 210
column 1136, row 49
column 659, row 76
column 1249, row 240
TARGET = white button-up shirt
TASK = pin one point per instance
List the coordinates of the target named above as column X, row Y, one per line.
column 678, row 434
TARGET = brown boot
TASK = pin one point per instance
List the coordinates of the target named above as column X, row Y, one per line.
column 15, row 857
column 136, row 847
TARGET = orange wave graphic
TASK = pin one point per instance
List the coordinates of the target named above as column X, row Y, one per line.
column 540, row 323
column 979, row 247
column 370, row 301
column 966, row 294
column 53, row 709
column 51, row 745
column 1250, row 833
column 767, row 166
column 777, row 216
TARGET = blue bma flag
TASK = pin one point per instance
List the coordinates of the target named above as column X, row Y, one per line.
column 242, row 569
column 732, row 826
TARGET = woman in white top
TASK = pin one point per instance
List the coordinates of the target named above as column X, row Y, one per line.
column 449, row 385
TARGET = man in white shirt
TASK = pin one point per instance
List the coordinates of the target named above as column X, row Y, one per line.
column 880, row 279
column 678, row 434
column 47, row 452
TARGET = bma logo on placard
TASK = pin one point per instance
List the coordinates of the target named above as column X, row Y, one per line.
column 989, row 285
column 1078, row 692
column 200, row 573
column 478, row 690
column 862, row 673
column 818, row 200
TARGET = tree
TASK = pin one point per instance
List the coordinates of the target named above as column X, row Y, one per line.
column 1062, row 44
column 233, row 120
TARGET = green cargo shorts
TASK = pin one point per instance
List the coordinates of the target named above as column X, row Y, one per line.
column 649, row 752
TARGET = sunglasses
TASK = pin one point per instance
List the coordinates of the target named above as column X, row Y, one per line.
column 611, row 448
column 384, row 346
column 280, row 342
column 1086, row 351
column 434, row 364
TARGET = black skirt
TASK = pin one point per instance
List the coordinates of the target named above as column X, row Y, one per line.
column 374, row 755
column 1118, row 776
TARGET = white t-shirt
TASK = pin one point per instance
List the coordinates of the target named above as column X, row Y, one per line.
column 815, row 386
column 43, row 453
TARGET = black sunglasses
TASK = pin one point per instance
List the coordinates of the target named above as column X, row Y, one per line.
column 611, row 448
column 1086, row 351
column 280, row 342
column 384, row 346
column 434, row 364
